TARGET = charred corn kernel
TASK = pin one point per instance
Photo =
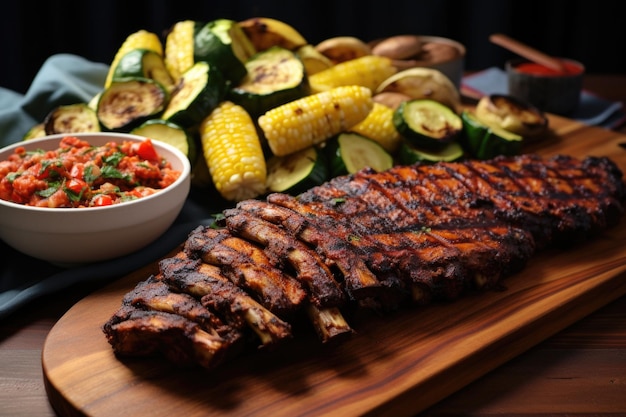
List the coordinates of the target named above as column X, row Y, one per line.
column 179, row 46
column 379, row 126
column 368, row 71
column 313, row 119
column 142, row 39
column 233, row 153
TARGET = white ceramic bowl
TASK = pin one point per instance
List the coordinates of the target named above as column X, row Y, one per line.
column 72, row 236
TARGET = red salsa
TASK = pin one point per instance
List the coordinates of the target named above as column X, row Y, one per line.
column 78, row 174
column 569, row 68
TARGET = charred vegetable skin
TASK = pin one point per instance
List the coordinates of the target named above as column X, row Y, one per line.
column 385, row 240
column 223, row 43
column 200, row 89
column 427, row 123
column 314, row 119
column 511, row 114
column 484, row 141
column 71, row 118
column 273, row 77
column 144, row 63
column 128, row 102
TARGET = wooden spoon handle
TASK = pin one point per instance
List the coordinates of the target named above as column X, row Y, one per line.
column 526, row 51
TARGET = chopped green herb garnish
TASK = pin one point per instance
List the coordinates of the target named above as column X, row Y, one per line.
column 127, row 197
column 112, row 172
column 53, row 187
column 217, row 219
column 50, row 163
column 114, row 159
column 12, row 176
column 88, row 174
column 73, row 196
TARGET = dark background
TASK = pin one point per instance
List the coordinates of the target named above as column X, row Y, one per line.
column 593, row 32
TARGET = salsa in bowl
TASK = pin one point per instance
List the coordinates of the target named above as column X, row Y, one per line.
column 80, row 174
column 139, row 211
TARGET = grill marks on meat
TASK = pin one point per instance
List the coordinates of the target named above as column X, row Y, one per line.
column 444, row 263
column 134, row 331
column 560, row 200
column 554, row 199
column 220, row 295
column 285, row 250
column 418, row 223
column 247, row 266
column 155, row 294
column 411, row 234
column 323, row 236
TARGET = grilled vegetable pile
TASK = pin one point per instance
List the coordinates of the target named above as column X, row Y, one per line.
column 258, row 109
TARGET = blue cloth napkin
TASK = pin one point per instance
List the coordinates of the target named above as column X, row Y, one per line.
column 66, row 79
column 62, row 79
column 592, row 110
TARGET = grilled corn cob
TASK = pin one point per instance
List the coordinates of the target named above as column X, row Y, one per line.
column 233, row 153
column 179, row 46
column 378, row 126
column 368, row 71
column 313, row 119
column 142, row 39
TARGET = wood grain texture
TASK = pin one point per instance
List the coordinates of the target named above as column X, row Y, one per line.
column 396, row 365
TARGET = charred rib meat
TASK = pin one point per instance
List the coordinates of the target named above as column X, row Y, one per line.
column 408, row 235
column 309, row 267
column 247, row 266
column 137, row 332
column 221, row 296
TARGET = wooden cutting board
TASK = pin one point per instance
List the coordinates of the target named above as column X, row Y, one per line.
column 395, row 365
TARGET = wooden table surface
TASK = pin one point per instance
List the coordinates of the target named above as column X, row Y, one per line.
column 581, row 370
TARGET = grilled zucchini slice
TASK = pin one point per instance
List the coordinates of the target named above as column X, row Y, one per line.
column 427, row 123
column 128, row 102
column 200, row 89
column 274, row 77
column 486, row 141
column 474, row 132
column 71, row 118
column 170, row 133
column 351, row 152
column 409, row 154
column 512, row 114
column 297, row 172
column 223, row 43
column 144, row 63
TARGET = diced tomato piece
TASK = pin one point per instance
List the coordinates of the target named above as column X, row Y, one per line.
column 42, row 173
column 78, row 171
column 145, row 150
column 76, row 185
column 102, row 200
column 135, row 192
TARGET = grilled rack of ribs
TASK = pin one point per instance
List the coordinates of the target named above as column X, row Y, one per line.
column 382, row 240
